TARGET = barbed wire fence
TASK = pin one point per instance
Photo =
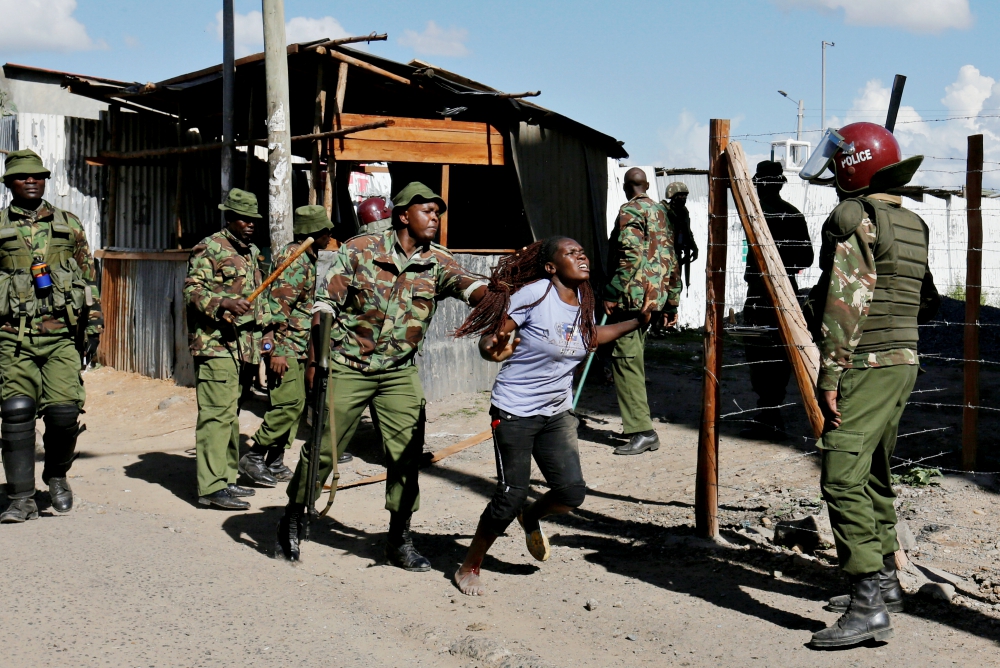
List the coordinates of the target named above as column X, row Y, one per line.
column 940, row 428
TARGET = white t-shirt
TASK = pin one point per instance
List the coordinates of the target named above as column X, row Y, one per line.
column 538, row 378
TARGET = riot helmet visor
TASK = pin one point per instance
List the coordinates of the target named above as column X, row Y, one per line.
column 820, row 159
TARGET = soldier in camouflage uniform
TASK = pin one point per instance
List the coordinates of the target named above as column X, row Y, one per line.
column 224, row 269
column 641, row 258
column 765, row 352
column 50, row 318
column 685, row 246
column 874, row 291
column 290, row 302
column 383, row 290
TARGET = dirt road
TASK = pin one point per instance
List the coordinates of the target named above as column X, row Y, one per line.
column 138, row 575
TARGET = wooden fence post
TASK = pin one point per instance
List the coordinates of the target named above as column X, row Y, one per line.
column 706, row 502
column 973, row 290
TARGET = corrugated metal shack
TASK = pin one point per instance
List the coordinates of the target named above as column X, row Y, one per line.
column 510, row 170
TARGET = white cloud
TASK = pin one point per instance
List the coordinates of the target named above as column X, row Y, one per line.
column 437, row 41
column 966, row 96
column 683, row 145
column 302, row 29
column 914, row 15
column 248, row 31
column 131, row 41
column 44, row 25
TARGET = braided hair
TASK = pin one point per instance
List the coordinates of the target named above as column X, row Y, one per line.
column 511, row 274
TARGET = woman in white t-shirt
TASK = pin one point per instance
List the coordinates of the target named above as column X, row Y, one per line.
column 538, row 319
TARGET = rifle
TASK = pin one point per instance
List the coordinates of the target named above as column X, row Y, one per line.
column 321, row 346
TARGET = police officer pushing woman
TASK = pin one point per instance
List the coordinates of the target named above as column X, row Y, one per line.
column 382, row 290
column 50, row 321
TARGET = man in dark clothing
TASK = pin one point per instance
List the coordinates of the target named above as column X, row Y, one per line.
column 766, row 355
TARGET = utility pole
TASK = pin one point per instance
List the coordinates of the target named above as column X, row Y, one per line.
column 823, row 112
column 228, row 93
column 279, row 145
column 798, row 128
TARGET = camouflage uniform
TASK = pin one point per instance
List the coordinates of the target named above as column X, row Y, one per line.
column 383, row 303
column 641, row 254
column 226, row 355
column 874, row 261
column 40, row 335
column 769, row 367
column 290, row 301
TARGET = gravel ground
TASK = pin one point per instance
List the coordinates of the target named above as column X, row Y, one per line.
column 138, row 575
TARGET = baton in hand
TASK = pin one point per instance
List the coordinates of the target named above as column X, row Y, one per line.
column 228, row 317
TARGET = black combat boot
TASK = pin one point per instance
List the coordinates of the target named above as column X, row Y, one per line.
column 399, row 550
column 17, row 449
column 223, row 499
column 345, row 458
column 61, row 495
column 639, row 443
column 62, row 425
column 253, row 466
column 888, row 583
column 290, row 532
column 274, row 459
column 866, row 617
column 768, row 425
column 237, row 491
column 20, row 510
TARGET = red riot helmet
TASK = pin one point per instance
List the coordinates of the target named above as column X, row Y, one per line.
column 863, row 157
column 373, row 210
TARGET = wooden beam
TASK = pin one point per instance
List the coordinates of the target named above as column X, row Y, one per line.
column 973, row 291
column 331, row 162
column 801, row 350
column 421, row 140
column 320, row 105
column 108, row 157
column 706, row 495
column 344, row 58
column 178, row 255
column 322, row 46
column 445, row 188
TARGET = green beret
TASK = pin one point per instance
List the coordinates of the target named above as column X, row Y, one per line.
column 310, row 219
column 25, row 162
column 417, row 193
column 241, row 202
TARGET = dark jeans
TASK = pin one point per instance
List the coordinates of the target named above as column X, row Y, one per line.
column 552, row 442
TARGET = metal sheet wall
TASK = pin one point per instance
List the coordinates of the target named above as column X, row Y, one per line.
column 448, row 365
column 8, row 134
column 63, row 144
column 144, row 316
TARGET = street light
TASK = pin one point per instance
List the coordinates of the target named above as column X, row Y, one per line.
column 798, row 129
column 823, row 112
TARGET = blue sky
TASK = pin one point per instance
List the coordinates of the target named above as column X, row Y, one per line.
column 651, row 76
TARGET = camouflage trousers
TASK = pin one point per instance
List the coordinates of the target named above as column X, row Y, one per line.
column 288, row 401
column 221, row 384
column 46, row 369
column 398, row 400
column 628, row 367
column 855, row 474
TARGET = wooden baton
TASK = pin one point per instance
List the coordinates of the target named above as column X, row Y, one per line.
column 228, row 317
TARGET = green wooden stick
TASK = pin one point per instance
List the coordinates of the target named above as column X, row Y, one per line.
column 586, row 370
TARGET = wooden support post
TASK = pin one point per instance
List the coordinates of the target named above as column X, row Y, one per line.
column 445, row 187
column 802, row 352
column 179, row 194
column 706, row 503
column 331, row 164
column 317, row 128
column 973, row 290
column 116, row 144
